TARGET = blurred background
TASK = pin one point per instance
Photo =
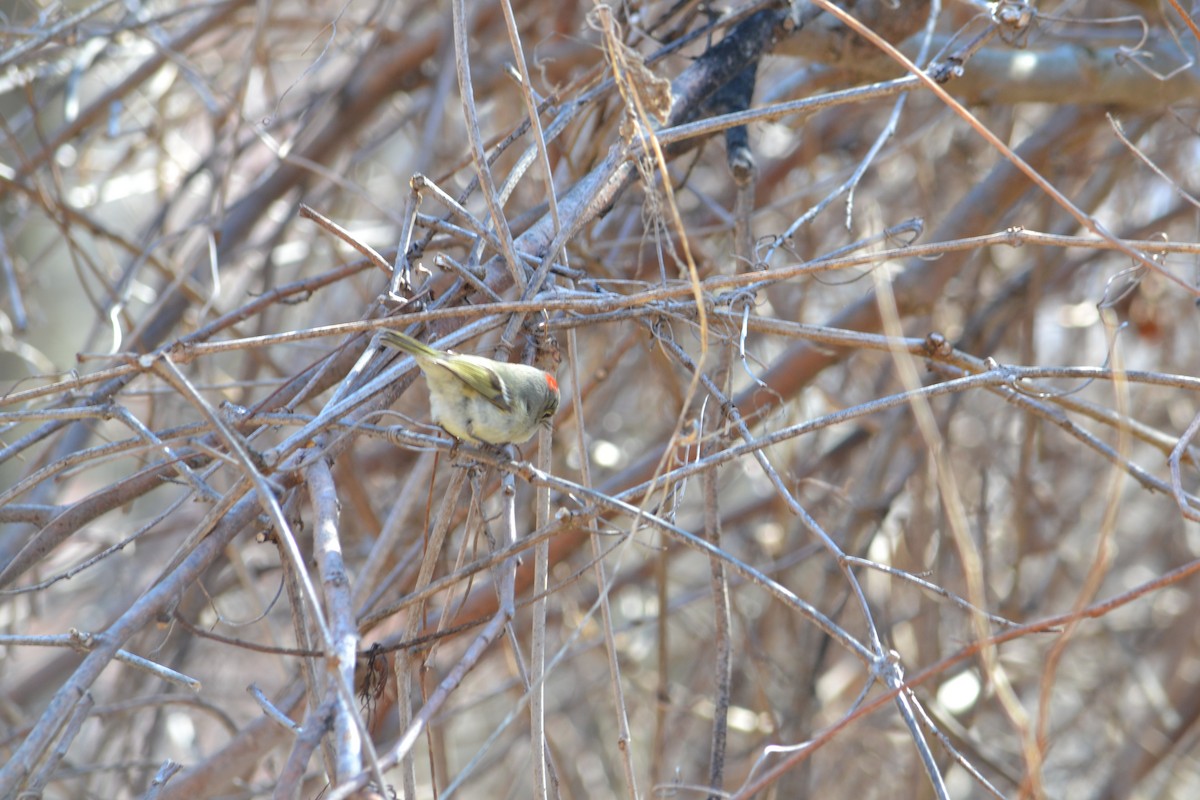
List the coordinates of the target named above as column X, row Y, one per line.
column 847, row 398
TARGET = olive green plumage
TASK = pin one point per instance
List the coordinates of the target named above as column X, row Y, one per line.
column 478, row 399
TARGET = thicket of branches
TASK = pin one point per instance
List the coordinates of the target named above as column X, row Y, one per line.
column 876, row 328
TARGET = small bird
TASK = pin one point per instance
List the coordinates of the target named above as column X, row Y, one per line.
column 478, row 399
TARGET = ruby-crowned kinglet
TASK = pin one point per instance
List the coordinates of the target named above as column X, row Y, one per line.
column 477, row 399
